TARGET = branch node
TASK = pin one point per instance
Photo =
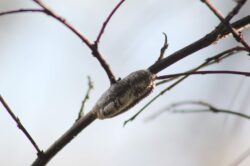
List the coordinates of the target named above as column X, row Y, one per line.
column 226, row 21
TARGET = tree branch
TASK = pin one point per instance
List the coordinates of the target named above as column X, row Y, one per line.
column 20, row 125
column 107, row 21
column 210, row 108
column 84, row 121
column 208, row 61
column 21, row 11
column 217, row 34
column 77, row 127
column 247, row 74
column 92, row 47
column 226, row 20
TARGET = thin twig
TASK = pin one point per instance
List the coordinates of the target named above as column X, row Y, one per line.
column 20, row 126
column 212, row 59
column 107, row 21
column 93, row 47
column 51, row 13
column 217, row 34
column 225, row 21
column 209, row 108
column 90, row 87
column 21, row 11
column 247, row 74
column 164, row 47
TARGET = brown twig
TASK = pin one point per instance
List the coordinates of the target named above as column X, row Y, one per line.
column 21, row 11
column 20, row 126
column 51, row 13
column 107, row 21
column 226, row 20
column 164, row 47
column 247, row 74
column 217, row 34
column 208, row 61
column 90, row 87
column 93, row 47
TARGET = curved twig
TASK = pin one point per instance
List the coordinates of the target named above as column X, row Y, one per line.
column 210, row 107
column 164, row 47
column 217, row 34
column 21, row 11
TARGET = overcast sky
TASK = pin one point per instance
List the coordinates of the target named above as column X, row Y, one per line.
column 44, row 69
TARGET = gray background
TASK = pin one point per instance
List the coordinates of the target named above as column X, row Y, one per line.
column 43, row 77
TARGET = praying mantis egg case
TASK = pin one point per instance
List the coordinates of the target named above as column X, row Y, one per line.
column 124, row 94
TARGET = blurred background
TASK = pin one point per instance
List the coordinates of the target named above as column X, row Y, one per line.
column 44, row 69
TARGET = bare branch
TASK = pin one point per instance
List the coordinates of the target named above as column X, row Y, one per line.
column 20, row 126
column 104, row 64
column 210, row 60
column 65, row 139
column 21, row 11
column 107, row 21
column 90, row 87
column 117, row 99
column 247, row 74
column 92, row 47
column 51, row 13
column 235, row 33
column 209, row 108
column 217, row 34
